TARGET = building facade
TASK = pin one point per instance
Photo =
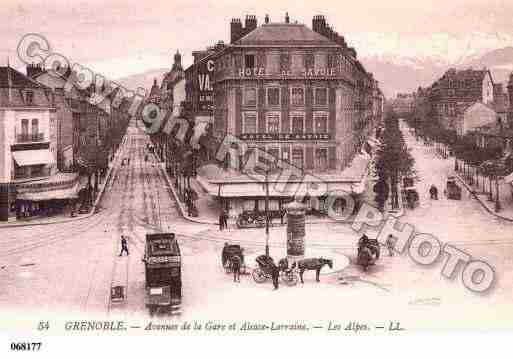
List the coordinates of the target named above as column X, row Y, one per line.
column 456, row 90
column 28, row 141
column 295, row 93
column 298, row 94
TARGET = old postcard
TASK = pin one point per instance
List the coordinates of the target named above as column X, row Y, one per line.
column 175, row 168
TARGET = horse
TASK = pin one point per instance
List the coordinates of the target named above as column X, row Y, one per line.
column 315, row 264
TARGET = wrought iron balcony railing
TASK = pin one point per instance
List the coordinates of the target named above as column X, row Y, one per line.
column 32, row 137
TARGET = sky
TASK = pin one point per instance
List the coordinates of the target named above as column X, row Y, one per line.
column 120, row 38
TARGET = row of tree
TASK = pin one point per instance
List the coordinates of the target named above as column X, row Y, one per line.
column 393, row 161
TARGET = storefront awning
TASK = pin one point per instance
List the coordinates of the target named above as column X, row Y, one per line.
column 33, row 157
column 246, row 190
column 67, row 193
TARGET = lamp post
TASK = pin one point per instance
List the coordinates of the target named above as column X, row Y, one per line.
column 267, row 212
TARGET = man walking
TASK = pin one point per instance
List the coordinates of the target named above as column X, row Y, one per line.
column 236, row 263
column 124, row 246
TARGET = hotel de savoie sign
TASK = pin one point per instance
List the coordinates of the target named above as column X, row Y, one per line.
column 307, row 73
column 285, row 136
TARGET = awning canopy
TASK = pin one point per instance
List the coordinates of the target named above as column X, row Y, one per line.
column 67, row 193
column 282, row 189
column 33, row 157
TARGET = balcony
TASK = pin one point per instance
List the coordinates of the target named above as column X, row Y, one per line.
column 32, row 137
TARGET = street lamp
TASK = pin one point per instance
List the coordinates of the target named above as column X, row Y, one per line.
column 267, row 212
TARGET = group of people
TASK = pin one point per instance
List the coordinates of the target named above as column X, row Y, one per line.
column 389, row 243
column 223, row 220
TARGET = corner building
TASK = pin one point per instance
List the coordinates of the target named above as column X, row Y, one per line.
column 299, row 94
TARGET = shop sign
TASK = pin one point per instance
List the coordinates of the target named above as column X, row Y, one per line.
column 285, row 136
column 307, row 73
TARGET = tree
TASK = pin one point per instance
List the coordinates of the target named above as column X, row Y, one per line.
column 495, row 170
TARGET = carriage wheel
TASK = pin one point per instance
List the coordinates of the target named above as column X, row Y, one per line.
column 258, row 275
column 289, row 279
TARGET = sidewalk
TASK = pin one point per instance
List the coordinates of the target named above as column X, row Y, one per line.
column 65, row 217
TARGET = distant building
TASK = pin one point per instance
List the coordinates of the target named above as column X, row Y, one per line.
column 403, row 104
column 456, row 90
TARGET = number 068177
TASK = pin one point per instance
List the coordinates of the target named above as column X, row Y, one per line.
column 25, row 346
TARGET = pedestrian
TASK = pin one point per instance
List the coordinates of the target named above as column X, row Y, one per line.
column 221, row 221
column 390, row 245
column 282, row 215
column 105, row 230
column 433, row 192
column 236, row 263
column 124, row 246
column 128, row 159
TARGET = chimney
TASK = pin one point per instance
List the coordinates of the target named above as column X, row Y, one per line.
column 235, row 30
column 266, row 18
column 250, row 24
column 318, row 24
column 33, row 69
column 287, row 18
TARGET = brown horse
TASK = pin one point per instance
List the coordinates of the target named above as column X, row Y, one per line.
column 315, row 264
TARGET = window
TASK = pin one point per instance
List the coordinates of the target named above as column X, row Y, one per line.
column 35, row 128
column 297, row 157
column 249, row 61
column 298, row 96
column 321, row 124
column 297, row 124
column 309, row 61
column 24, row 127
column 250, row 97
column 321, row 159
column 250, row 123
column 36, row 171
column 20, row 171
column 284, row 62
column 321, row 96
column 273, row 96
column 273, row 123
column 29, row 97
column 274, row 157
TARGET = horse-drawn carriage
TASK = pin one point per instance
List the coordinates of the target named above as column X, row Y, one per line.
column 229, row 251
column 267, row 269
column 368, row 252
column 250, row 219
column 452, row 190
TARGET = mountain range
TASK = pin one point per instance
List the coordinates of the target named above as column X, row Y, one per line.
column 396, row 74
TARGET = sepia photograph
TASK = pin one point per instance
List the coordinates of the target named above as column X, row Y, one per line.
column 177, row 168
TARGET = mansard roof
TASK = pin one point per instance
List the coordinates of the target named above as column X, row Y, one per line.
column 284, row 34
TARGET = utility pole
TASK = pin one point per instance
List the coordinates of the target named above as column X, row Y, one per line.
column 267, row 212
